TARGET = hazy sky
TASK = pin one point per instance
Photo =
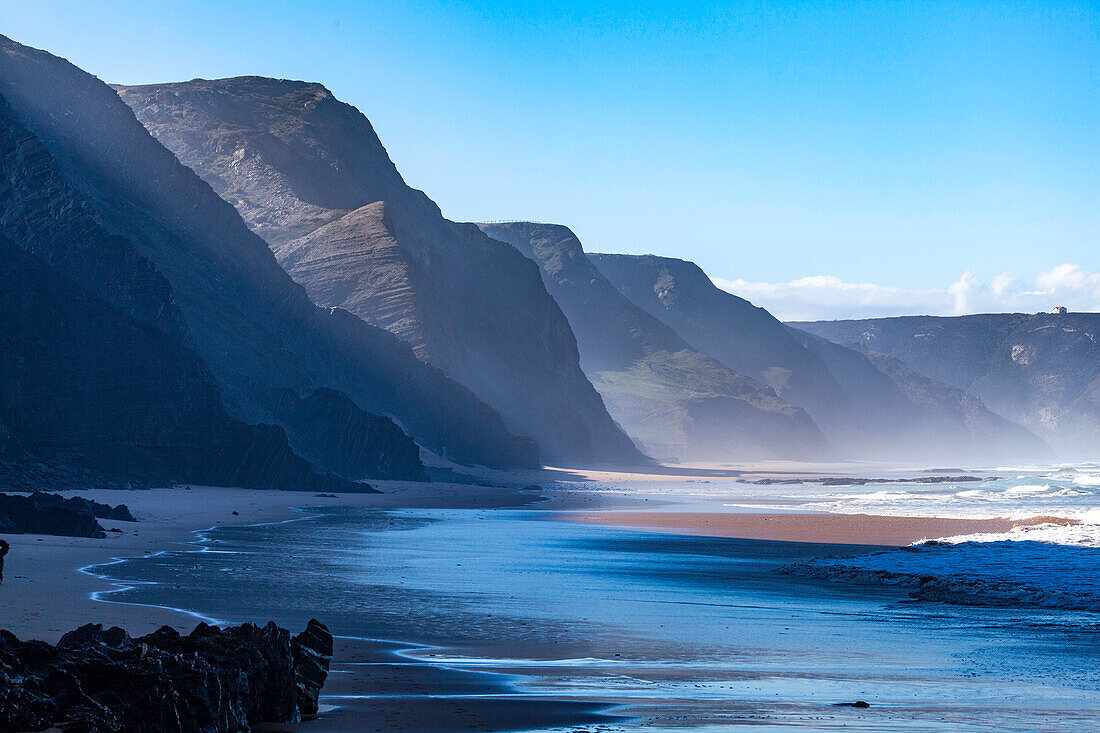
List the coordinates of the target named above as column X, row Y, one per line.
column 821, row 158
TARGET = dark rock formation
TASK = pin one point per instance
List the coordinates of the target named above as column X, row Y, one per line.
column 336, row 434
column 120, row 513
column 1042, row 371
column 674, row 400
column 255, row 331
column 41, row 514
column 308, row 173
column 312, row 651
column 865, row 407
column 211, row 680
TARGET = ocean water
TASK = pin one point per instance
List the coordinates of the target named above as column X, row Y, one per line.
column 680, row 633
column 1053, row 564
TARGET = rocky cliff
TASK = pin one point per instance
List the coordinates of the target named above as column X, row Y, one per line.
column 866, row 408
column 309, row 174
column 1042, row 371
column 95, row 357
column 675, row 400
column 254, row 328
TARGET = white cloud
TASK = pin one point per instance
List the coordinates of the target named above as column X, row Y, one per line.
column 820, row 297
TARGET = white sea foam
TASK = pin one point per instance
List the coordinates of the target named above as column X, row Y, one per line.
column 1063, row 493
column 1029, row 489
column 1068, row 492
column 1053, row 565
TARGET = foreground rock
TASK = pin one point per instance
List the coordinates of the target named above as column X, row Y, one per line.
column 210, row 680
column 30, row 515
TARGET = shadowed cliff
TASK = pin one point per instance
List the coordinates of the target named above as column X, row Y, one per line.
column 308, row 173
column 255, row 329
column 867, row 407
column 96, row 359
column 676, row 401
column 1041, row 370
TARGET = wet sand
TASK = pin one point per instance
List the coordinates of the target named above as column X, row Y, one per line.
column 45, row 593
column 843, row 529
column 505, row 617
column 415, row 697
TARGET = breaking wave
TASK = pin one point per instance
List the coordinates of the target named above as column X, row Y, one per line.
column 1053, row 565
column 998, row 573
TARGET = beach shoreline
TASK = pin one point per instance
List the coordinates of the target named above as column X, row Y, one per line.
column 53, row 586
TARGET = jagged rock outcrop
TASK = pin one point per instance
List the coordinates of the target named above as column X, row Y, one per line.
column 308, row 173
column 312, row 650
column 252, row 326
column 866, row 408
column 212, row 680
column 38, row 515
column 119, row 513
column 1040, row 370
column 674, row 400
column 98, row 510
column 346, row 440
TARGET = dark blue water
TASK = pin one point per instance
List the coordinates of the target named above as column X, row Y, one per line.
column 685, row 632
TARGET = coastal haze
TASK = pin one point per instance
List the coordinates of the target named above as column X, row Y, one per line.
column 495, row 474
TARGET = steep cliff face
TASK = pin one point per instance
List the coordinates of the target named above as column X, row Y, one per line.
column 1042, row 371
column 676, row 401
column 96, row 362
column 732, row 330
column 308, row 173
column 252, row 325
column 907, row 416
column 866, row 408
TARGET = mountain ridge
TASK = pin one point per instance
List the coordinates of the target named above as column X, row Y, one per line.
column 863, row 411
column 1042, row 370
column 98, row 364
column 309, row 173
column 255, row 327
column 676, row 401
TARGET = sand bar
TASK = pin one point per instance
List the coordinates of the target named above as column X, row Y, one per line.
column 846, row 529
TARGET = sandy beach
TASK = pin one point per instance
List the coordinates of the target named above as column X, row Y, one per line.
column 844, row 529
column 447, row 567
column 45, row 593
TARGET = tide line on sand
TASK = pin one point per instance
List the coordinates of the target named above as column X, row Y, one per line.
column 844, row 529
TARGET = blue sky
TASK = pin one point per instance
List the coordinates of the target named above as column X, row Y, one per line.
column 911, row 148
